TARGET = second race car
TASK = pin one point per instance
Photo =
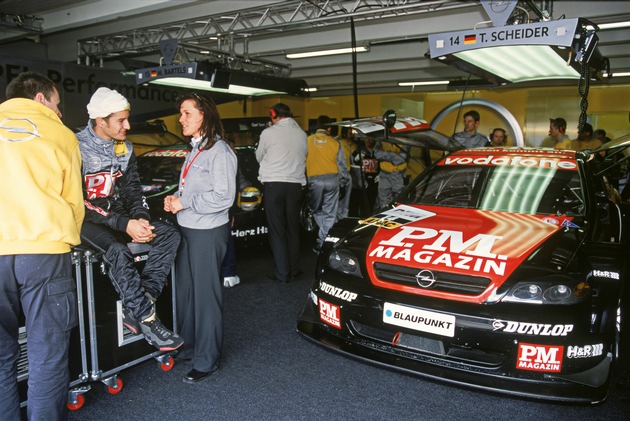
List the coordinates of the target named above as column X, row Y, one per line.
column 498, row 268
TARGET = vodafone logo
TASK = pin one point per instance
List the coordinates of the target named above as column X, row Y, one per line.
column 168, row 153
column 513, row 161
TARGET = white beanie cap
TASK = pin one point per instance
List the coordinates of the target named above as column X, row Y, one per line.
column 106, row 101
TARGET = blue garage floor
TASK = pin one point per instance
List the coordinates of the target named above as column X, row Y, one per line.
column 269, row 372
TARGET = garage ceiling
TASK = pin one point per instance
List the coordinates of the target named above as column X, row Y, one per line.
column 256, row 35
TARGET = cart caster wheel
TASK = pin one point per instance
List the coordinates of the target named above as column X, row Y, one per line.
column 78, row 405
column 168, row 364
column 115, row 390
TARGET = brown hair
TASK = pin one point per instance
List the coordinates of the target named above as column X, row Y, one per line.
column 211, row 127
column 28, row 85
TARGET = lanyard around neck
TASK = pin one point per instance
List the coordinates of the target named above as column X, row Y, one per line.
column 186, row 168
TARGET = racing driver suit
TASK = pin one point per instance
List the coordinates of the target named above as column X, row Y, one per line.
column 113, row 196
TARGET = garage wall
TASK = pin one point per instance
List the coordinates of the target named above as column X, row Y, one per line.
column 532, row 107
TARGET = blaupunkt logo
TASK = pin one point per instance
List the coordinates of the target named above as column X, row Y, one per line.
column 17, row 130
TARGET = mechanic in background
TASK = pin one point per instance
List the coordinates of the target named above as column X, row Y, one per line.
column 498, row 137
column 348, row 147
column 282, row 153
column 393, row 160
column 557, row 129
column 327, row 174
column 116, row 212
column 469, row 138
column 364, row 173
column 586, row 140
column 42, row 211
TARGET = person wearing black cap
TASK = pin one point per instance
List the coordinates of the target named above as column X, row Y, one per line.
column 557, row 130
column 282, row 153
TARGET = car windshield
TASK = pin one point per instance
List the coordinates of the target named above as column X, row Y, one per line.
column 499, row 188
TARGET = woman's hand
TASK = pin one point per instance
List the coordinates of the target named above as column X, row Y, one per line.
column 172, row 204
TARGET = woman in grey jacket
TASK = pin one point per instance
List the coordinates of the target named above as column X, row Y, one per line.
column 206, row 192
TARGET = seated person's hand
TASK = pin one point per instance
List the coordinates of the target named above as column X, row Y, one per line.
column 140, row 230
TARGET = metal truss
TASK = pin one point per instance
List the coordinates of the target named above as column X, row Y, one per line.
column 21, row 23
column 230, row 32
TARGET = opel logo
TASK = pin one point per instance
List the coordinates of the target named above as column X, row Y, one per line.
column 17, row 130
column 425, row 278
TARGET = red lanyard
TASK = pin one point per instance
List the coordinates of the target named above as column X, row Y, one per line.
column 186, row 168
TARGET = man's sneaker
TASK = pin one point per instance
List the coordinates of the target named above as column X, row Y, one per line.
column 230, row 281
column 130, row 322
column 160, row 337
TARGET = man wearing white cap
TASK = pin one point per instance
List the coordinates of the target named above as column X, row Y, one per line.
column 112, row 220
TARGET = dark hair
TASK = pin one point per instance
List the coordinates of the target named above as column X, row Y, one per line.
column 587, row 128
column 559, row 122
column 472, row 113
column 282, row 110
column 29, row 84
column 323, row 121
column 211, row 127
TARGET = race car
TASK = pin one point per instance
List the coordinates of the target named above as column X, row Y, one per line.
column 497, row 268
column 159, row 172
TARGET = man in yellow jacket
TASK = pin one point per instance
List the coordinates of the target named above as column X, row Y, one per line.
column 557, row 129
column 393, row 161
column 42, row 212
column 326, row 173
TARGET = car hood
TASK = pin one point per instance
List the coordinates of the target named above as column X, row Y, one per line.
column 465, row 244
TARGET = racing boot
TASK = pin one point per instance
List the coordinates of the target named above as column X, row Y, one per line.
column 159, row 336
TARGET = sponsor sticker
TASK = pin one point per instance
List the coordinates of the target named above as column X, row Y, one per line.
column 538, row 329
column 421, row 320
column 443, row 248
column 512, row 161
column 534, row 357
column 396, row 217
column 606, row 274
column 340, row 293
column 250, row 232
column 329, row 313
column 176, row 153
column 586, row 351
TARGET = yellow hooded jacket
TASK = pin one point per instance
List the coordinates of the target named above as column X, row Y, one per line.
column 41, row 205
column 388, row 166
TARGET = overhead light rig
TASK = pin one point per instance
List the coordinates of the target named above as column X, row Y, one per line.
column 511, row 51
column 215, row 76
column 229, row 33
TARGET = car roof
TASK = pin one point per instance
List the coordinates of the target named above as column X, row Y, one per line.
column 168, row 151
column 517, row 151
column 408, row 131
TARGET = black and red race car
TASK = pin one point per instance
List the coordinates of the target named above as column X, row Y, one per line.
column 497, row 268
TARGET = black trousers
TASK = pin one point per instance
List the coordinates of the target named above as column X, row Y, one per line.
column 129, row 283
column 282, row 206
column 199, row 294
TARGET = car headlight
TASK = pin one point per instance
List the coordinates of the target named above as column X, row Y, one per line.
column 343, row 260
column 562, row 291
column 249, row 198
